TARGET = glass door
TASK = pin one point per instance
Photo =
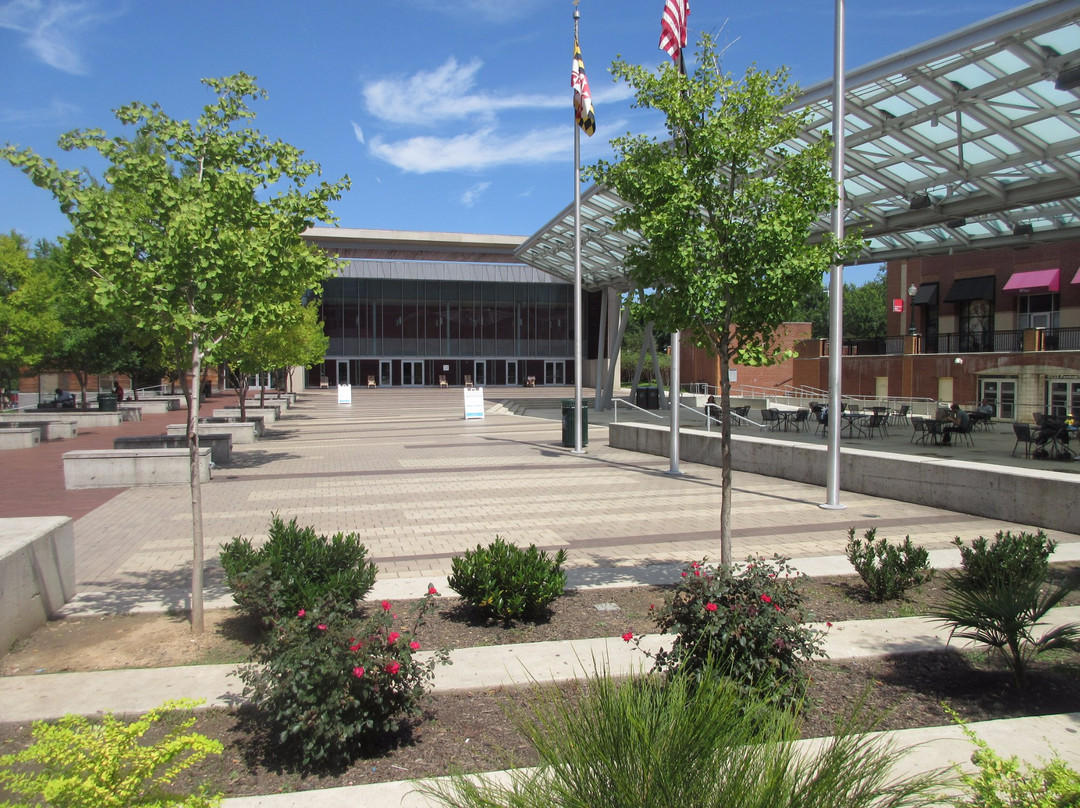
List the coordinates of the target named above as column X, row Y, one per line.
column 479, row 366
column 384, row 373
column 511, row 372
column 1002, row 394
column 412, row 373
column 554, row 372
column 343, row 371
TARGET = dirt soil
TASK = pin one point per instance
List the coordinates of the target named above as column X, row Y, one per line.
column 471, row 731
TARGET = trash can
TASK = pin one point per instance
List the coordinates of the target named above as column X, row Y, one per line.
column 648, row 398
column 106, row 402
column 568, row 423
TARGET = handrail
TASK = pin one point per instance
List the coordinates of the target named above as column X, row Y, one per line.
column 618, row 401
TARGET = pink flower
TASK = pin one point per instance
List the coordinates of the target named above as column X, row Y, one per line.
column 431, row 590
column 393, row 667
column 628, row 636
column 414, row 645
column 393, row 638
column 684, row 575
column 301, row 613
column 386, row 605
column 321, row 627
column 710, row 607
column 828, row 625
column 766, row 599
column 358, row 672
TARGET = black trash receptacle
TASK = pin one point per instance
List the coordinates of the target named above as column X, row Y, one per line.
column 106, row 402
column 648, row 398
column 568, row 423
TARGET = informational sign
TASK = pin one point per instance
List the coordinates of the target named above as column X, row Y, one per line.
column 898, row 305
column 344, row 394
column 474, row 402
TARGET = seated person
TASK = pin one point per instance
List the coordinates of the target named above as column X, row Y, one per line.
column 712, row 409
column 118, row 390
column 956, row 421
column 985, row 408
column 64, row 400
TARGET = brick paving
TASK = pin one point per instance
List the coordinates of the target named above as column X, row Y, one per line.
column 420, row 484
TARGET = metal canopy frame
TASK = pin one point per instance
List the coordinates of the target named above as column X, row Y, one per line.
column 969, row 141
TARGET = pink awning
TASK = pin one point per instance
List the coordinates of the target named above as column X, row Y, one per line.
column 1036, row 280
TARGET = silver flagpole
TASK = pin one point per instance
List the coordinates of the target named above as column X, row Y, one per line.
column 578, row 369
column 836, row 279
column 673, row 400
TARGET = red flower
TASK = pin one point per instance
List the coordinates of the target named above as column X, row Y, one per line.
column 431, row 590
column 684, row 575
column 321, row 627
column 301, row 613
column 393, row 667
column 766, row 599
column 414, row 645
column 710, row 607
column 628, row 636
column 357, row 672
column 393, row 638
column 356, row 646
column 777, row 607
column 828, row 625
column 386, row 605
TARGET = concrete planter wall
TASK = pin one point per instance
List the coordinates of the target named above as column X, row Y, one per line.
column 123, row 468
column 37, row 573
column 239, row 431
column 1046, row 499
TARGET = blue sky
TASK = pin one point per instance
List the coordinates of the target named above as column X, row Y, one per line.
column 448, row 115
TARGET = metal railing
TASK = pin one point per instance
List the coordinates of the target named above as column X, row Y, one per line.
column 626, row 403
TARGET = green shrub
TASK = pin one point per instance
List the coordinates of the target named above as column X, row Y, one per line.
column 76, row 763
column 507, row 582
column 648, row 741
column 1001, row 783
column 1009, row 558
column 751, row 622
column 329, row 684
column 295, row 569
column 1001, row 594
column 888, row 570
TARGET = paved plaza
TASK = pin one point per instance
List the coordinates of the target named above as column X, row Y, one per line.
column 420, row 484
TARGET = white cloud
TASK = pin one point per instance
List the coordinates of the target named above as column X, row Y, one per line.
column 56, row 112
column 52, row 29
column 357, row 131
column 471, row 196
column 474, row 151
column 446, row 93
column 484, row 10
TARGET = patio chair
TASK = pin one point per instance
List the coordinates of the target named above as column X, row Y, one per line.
column 900, row 416
column 879, row 422
column 770, row 420
column 371, row 381
column 1023, row 435
column 801, row 419
column 468, row 381
column 442, row 382
column 918, row 430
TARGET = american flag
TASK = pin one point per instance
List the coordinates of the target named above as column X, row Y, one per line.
column 583, row 108
column 673, row 28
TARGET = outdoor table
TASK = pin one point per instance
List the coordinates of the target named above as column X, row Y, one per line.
column 852, row 419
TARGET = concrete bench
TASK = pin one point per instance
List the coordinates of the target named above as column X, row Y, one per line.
column 220, row 445
column 258, row 420
column 84, row 418
column 19, row 438
column 130, row 412
column 37, row 573
column 241, row 432
column 156, row 404
column 269, row 414
column 49, row 430
column 124, row 468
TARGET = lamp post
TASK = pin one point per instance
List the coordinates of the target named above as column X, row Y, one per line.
column 911, row 290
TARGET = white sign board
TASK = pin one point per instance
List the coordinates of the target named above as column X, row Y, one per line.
column 344, row 394
column 474, row 402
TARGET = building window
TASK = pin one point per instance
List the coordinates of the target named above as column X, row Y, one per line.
column 1001, row 393
column 1037, row 311
column 976, row 325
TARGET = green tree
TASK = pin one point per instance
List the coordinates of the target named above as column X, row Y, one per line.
column 724, row 209
column 91, row 339
column 296, row 338
column 865, row 309
column 28, row 323
column 194, row 232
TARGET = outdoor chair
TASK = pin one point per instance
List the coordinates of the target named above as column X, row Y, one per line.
column 770, row 420
column 468, row 381
column 442, row 382
column 801, row 419
column 1023, row 435
column 900, row 416
column 878, row 422
column 741, row 413
column 371, row 381
column 918, row 430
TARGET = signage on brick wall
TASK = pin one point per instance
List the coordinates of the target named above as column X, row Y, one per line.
column 898, row 305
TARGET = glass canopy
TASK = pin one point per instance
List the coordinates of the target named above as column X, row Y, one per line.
column 969, row 141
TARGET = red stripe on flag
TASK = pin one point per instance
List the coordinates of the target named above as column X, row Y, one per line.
column 673, row 27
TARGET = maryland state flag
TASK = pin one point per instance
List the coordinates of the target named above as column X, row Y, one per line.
column 583, row 108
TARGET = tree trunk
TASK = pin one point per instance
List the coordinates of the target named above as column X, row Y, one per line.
column 724, row 354
column 192, row 393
